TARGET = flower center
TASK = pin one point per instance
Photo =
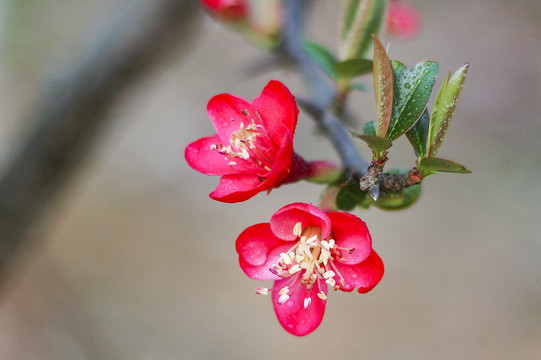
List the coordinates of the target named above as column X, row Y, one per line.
column 309, row 260
column 250, row 148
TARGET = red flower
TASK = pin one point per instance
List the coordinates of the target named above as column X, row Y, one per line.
column 230, row 10
column 253, row 149
column 403, row 20
column 304, row 249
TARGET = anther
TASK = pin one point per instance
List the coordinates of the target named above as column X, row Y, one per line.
column 312, row 239
column 262, row 291
column 297, row 230
column 295, row 268
column 328, row 274
column 322, row 295
column 307, row 302
column 283, row 299
column 285, row 259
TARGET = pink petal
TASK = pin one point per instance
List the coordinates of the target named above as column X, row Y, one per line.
column 255, row 242
column 236, row 188
column 263, row 272
column 350, row 232
column 226, row 113
column 259, row 250
column 364, row 275
column 201, row 158
column 239, row 187
column 282, row 163
column 292, row 315
column 285, row 219
column 277, row 107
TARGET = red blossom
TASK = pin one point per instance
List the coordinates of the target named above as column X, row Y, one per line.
column 403, row 20
column 253, row 150
column 304, row 249
column 229, row 10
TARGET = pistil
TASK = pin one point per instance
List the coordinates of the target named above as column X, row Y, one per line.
column 309, row 260
column 250, row 147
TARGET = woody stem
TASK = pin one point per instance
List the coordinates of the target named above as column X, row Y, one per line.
column 323, row 93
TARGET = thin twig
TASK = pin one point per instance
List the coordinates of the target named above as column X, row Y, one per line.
column 322, row 91
column 66, row 123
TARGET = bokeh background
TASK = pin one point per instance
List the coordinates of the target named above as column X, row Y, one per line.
column 134, row 261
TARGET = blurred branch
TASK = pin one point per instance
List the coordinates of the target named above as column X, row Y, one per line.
column 67, row 121
column 322, row 90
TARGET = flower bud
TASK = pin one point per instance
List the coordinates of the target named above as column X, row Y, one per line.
column 403, row 20
column 400, row 200
column 227, row 10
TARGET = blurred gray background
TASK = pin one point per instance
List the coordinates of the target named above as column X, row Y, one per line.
column 134, row 261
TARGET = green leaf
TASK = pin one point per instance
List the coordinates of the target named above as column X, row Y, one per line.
column 349, row 16
column 358, row 86
column 352, row 68
column 323, row 58
column 412, row 88
column 397, row 66
column 377, row 144
column 369, row 128
column 344, row 200
column 349, row 196
column 362, row 18
column 431, row 165
column 444, row 108
column 400, row 200
column 418, row 134
column 383, row 88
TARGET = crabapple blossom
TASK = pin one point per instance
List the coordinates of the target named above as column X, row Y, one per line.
column 253, row 149
column 305, row 251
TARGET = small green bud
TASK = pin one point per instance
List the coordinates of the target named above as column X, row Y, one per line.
column 400, row 200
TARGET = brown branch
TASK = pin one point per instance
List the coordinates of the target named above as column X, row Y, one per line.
column 399, row 182
column 68, row 119
column 321, row 89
